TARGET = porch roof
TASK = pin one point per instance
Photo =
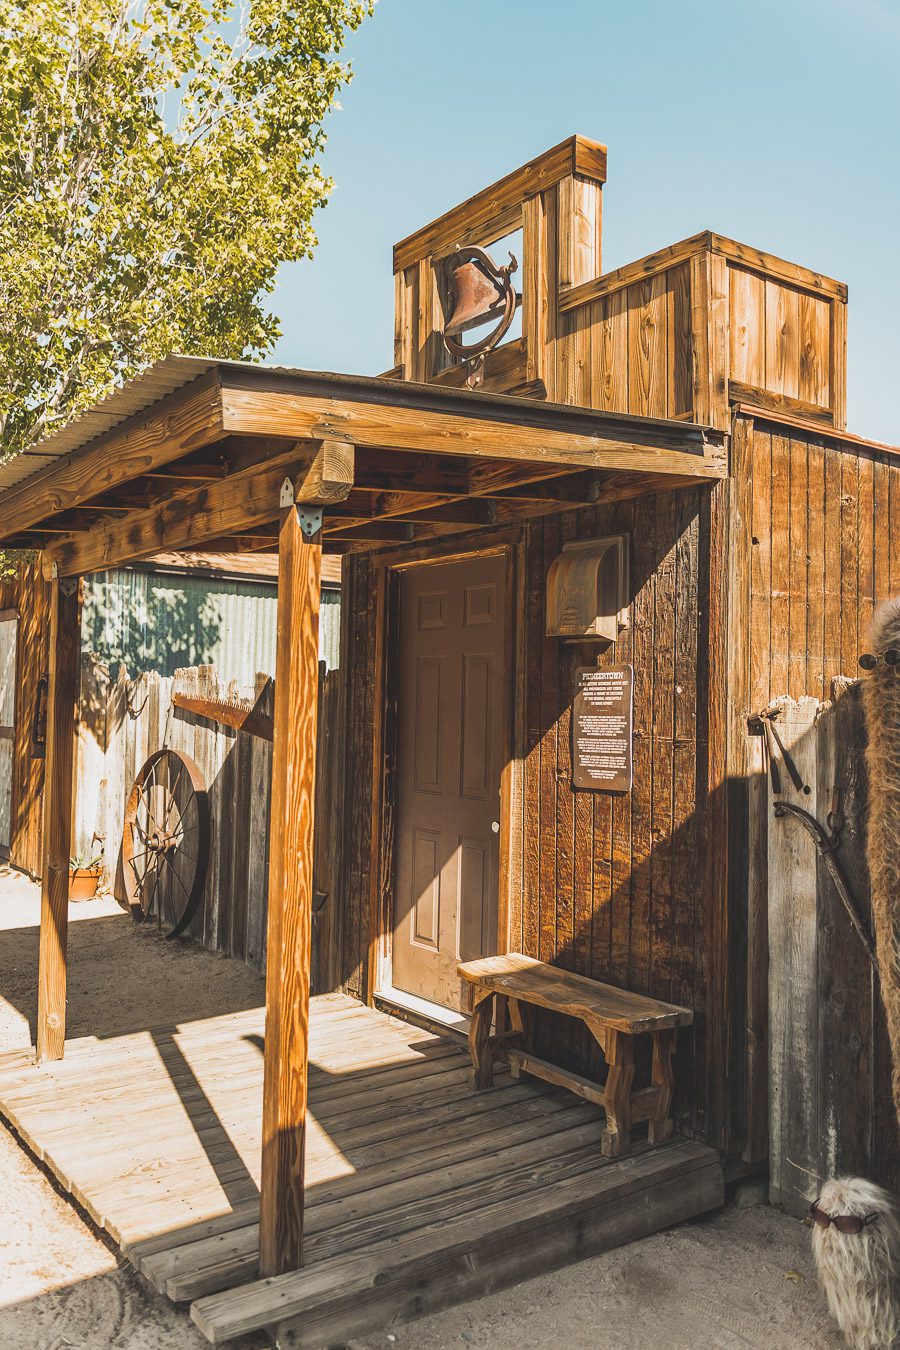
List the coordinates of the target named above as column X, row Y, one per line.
column 192, row 454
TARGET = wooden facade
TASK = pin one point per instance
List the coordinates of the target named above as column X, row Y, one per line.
column 28, row 595
column 693, row 404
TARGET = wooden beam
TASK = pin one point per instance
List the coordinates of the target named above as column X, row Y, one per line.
column 59, row 779
column 291, row 817
column 176, row 426
column 329, row 476
column 475, row 510
column 471, row 425
column 376, row 530
column 804, row 278
column 492, row 207
column 236, row 505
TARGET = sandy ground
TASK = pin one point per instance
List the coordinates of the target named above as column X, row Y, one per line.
column 740, row 1278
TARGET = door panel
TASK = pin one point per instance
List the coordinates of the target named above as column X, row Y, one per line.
column 451, row 712
column 8, row 633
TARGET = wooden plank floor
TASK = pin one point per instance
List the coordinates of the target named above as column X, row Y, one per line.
column 420, row 1193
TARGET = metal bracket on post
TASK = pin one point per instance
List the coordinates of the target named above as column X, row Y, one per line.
column 310, row 518
column 68, row 585
column 286, row 496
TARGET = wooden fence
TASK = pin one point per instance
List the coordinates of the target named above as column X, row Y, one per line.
column 124, row 720
column 830, row 1107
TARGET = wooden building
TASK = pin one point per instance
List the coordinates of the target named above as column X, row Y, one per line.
column 684, row 413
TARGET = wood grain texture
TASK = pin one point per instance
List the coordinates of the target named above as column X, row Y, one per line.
column 490, row 208
column 62, row 714
column 290, row 899
column 183, row 422
column 533, row 436
column 233, row 504
column 28, row 595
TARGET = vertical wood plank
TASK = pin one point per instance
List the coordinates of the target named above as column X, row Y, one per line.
column 661, row 918
column 709, row 339
column 636, row 939
column 647, row 328
column 59, row 785
column 290, row 899
column 549, row 714
column 838, row 379
column 534, row 644
column 793, row 1058
column 865, row 554
column 761, row 573
column 679, row 399
column 782, row 340
column 609, row 353
column 817, row 528
column 814, row 381
column 832, row 577
column 849, row 570
column 781, row 575
column 747, row 328
column 797, row 568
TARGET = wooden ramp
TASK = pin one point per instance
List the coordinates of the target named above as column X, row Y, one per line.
column 420, row 1193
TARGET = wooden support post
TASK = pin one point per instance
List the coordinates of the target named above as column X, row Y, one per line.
column 62, row 709
column 290, row 897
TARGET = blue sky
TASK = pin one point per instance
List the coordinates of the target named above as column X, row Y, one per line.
column 774, row 123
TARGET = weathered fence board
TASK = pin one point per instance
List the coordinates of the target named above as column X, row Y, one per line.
column 124, row 720
column 830, row 1106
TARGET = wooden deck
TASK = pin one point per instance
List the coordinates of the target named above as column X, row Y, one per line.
column 420, row 1193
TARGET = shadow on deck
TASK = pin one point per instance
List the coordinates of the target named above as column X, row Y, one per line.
column 420, row 1193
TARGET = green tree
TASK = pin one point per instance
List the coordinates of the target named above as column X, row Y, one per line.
column 158, row 161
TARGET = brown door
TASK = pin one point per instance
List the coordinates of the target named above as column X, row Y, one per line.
column 9, row 625
column 452, row 705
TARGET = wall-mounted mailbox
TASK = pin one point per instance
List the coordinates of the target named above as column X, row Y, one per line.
column 587, row 589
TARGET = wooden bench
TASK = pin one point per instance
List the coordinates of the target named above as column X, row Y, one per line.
column 506, row 989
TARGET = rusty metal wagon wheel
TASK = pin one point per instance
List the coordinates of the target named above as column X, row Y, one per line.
column 165, row 843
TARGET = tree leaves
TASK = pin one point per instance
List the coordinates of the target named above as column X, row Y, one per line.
column 158, row 162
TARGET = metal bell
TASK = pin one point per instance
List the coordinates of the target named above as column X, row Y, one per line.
column 477, row 296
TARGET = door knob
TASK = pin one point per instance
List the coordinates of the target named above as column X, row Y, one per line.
column 495, row 826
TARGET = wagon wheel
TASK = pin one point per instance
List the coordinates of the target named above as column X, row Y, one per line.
column 165, row 843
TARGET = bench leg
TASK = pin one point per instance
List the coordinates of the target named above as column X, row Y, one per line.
column 482, row 1072
column 520, row 1017
column 619, row 1051
column 664, row 1080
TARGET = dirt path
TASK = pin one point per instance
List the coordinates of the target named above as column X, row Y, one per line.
column 742, row 1278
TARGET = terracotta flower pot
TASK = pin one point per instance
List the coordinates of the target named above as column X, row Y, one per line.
column 83, row 882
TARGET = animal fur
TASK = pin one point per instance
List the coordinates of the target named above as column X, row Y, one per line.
column 881, row 692
column 860, row 1272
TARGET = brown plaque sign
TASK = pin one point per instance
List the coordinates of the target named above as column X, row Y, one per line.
column 602, row 721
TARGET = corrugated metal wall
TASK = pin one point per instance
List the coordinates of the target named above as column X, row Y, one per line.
column 166, row 621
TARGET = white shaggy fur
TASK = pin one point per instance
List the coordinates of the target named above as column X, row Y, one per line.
column 860, row 1272
column 881, row 693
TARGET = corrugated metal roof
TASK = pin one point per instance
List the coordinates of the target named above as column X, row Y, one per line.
column 173, row 372
column 156, row 382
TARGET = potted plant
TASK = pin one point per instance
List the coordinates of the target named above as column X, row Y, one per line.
column 84, row 875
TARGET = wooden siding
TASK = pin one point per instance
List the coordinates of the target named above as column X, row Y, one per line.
column 606, row 886
column 780, row 339
column 831, row 1111
column 672, row 335
column 29, row 594
column 815, row 545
